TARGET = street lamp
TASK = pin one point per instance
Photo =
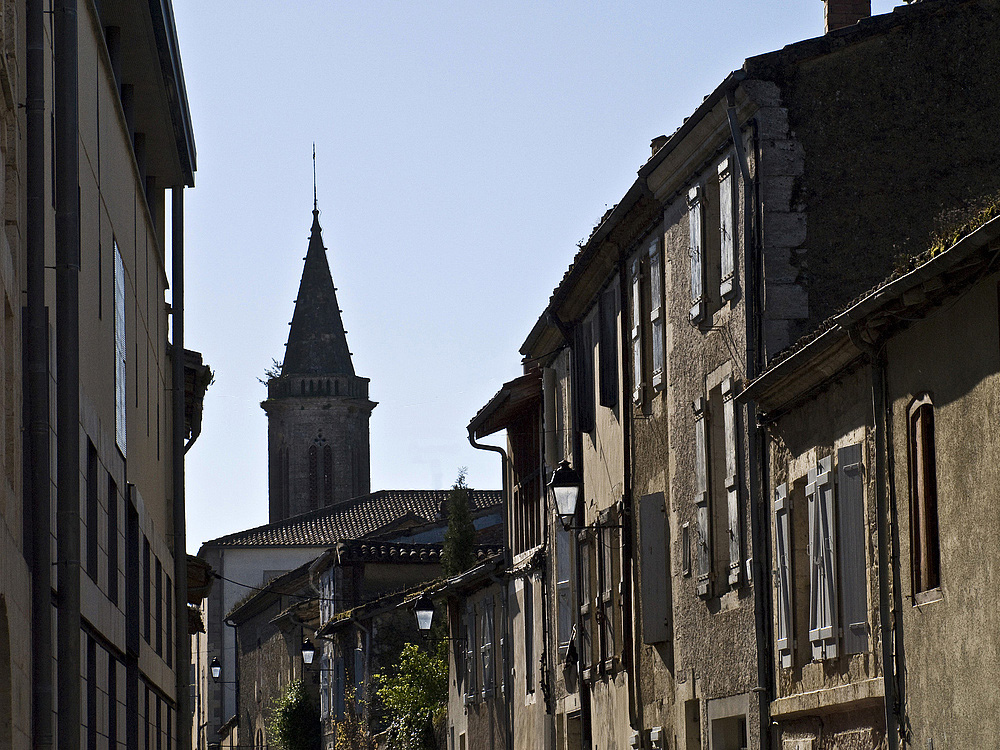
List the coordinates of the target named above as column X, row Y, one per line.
column 424, row 609
column 215, row 668
column 565, row 486
column 308, row 651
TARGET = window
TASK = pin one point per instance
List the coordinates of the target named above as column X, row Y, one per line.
column 529, row 635
column 717, row 501
column 584, row 361
column 120, row 350
column 470, row 653
column 637, row 343
column 564, row 590
column 783, row 569
column 822, row 563
column 608, row 353
column 656, row 312
column 113, row 504
column 655, row 548
column 605, row 605
column 925, row 550
column 727, row 228
column 585, row 644
column 686, row 549
column 486, row 647
column 93, row 510
column 696, row 249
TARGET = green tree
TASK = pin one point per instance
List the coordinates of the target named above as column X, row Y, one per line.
column 294, row 722
column 416, row 696
column 460, row 538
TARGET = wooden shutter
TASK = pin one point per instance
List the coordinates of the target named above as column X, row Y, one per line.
column 783, row 570
column 822, row 543
column 656, row 312
column 655, row 574
column 609, row 348
column 585, row 374
column 696, row 250
column 852, row 543
column 486, row 650
column 727, row 227
column 732, row 493
column 470, row 653
column 637, row 380
column 701, row 500
column 585, row 643
column 564, row 603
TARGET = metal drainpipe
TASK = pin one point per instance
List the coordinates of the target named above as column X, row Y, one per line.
column 756, row 445
column 183, row 649
column 630, row 636
column 38, row 481
column 880, row 419
column 67, row 190
column 504, row 464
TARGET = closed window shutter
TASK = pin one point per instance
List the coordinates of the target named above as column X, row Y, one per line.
column 564, row 605
column 339, row 689
column 637, row 331
column 732, row 494
column 470, row 653
column 585, row 374
column 783, row 561
column 120, row 349
column 656, row 312
column 727, row 227
column 655, row 575
column 822, row 543
column 696, row 250
column 701, row 500
column 487, row 646
column 609, row 348
column 851, row 549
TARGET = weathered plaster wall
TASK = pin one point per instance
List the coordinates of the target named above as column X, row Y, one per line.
column 951, row 645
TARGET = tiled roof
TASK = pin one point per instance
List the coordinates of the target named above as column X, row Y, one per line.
column 366, row 516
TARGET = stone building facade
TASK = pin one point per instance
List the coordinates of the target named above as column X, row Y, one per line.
column 317, row 408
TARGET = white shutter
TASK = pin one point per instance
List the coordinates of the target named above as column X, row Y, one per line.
column 727, row 227
column 656, row 311
column 470, row 653
column 732, row 493
column 324, row 688
column 783, row 570
column 696, row 249
column 701, row 500
column 637, row 330
column 564, row 599
column 822, row 548
column 121, row 347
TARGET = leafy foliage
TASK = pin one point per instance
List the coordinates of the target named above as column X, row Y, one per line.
column 294, row 721
column 460, row 538
column 416, row 696
column 352, row 731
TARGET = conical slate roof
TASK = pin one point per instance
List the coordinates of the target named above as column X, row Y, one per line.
column 317, row 341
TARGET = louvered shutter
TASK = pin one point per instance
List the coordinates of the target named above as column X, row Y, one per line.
column 121, row 347
column 732, row 493
column 608, row 315
column 783, row 569
column 654, row 541
column 637, row 331
column 339, row 689
column 696, row 250
column 701, row 500
column 852, row 542
column 656, row 312
column 727, row 227
column 822, row 544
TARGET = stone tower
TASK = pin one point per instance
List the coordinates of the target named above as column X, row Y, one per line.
column 317, row 408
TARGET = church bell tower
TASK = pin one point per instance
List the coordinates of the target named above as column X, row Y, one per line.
column 317, row 408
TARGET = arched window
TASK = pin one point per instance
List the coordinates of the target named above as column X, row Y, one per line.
column 327, row 474
column 313, row 476
column 925, row 547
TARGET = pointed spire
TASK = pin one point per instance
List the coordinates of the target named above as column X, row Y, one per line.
column 317, row 341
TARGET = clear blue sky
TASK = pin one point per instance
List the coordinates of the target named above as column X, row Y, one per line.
column 463, row 150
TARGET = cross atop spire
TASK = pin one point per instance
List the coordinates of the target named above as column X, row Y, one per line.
column 315, row 202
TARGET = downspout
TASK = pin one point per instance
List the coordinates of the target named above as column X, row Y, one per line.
column 631, row 635
column 504, row 464
column 880, row 419
column 67, row 193
column 38, row 482
column 183, row 648
column 757, row 446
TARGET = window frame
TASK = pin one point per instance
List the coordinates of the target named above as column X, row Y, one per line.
column 925, row 538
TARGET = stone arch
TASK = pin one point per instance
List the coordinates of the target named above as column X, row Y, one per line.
column 6, row 706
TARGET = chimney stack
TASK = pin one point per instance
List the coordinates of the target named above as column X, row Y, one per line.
column 841, row 13
column 657, row 143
